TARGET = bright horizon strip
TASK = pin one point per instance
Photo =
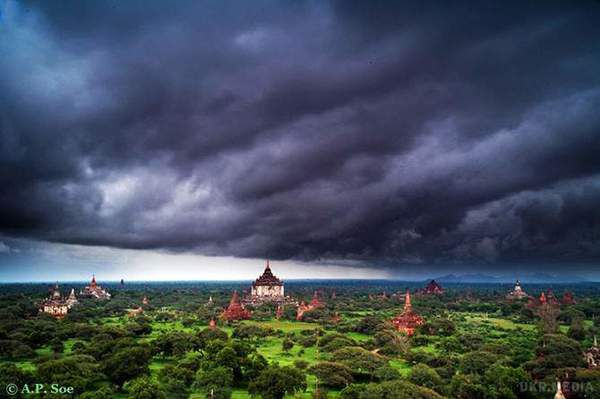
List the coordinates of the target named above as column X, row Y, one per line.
column 46, row 262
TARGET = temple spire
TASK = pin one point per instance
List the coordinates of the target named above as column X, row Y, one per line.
column 234, row 298
column 407, row 303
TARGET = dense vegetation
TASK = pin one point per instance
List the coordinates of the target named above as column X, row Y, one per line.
column 475, row 344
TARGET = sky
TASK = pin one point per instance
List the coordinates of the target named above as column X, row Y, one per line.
column 341, row 139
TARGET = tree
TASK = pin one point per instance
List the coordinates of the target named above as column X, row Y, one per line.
column 368, row 325
column 425, row 376
column 362, row 362
column 79, row 371
column 577, row 329
column 506, row 381
column 216, row 381
column 175, row 380
column 301, row 364
column 127, row 364
column 386, row 373
column 397, row 389
column 207, row 335
column 11, row 374
column 254, row 364
column 275, row 382
column 477, row 362
column 287, row 344
column 57, row 345
column 144, row 388
column 333, row 342
column 548, row 318
column 555, row 351
column 468, row 387
column 102, row 393
column 174, row 343
column 331, row 374
column 439, row 326
column 391, row 342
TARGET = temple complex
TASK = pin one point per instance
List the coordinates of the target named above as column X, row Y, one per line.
column 235, row 310
column 517, row 292
column 432, row 288
column 312, row 305
column 57, row 306
column 408, row 320
column 267, row 289
column 267, row 286
column 545, row 298
column 145, row 301
column 94, row 290
column 592, row 355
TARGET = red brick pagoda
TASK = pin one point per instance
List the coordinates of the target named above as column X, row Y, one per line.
column 303, row 307
column 547, row 297
column 235, row 310
column 408, row 320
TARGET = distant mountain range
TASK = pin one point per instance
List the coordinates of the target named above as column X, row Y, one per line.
column 530, row 278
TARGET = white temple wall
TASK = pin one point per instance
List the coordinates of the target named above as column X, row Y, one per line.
column 267, row 291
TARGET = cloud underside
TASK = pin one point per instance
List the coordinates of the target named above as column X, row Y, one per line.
column 308, row 130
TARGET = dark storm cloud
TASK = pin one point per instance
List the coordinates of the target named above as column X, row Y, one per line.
column 370, row 131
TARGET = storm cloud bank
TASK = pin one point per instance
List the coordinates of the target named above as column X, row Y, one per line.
column 409, row 134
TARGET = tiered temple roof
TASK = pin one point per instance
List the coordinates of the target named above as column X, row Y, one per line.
column 408, row 320
column 432, row 288
column 267, row 289
column 235, row 310
column 267, row 278
column 94, row 290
